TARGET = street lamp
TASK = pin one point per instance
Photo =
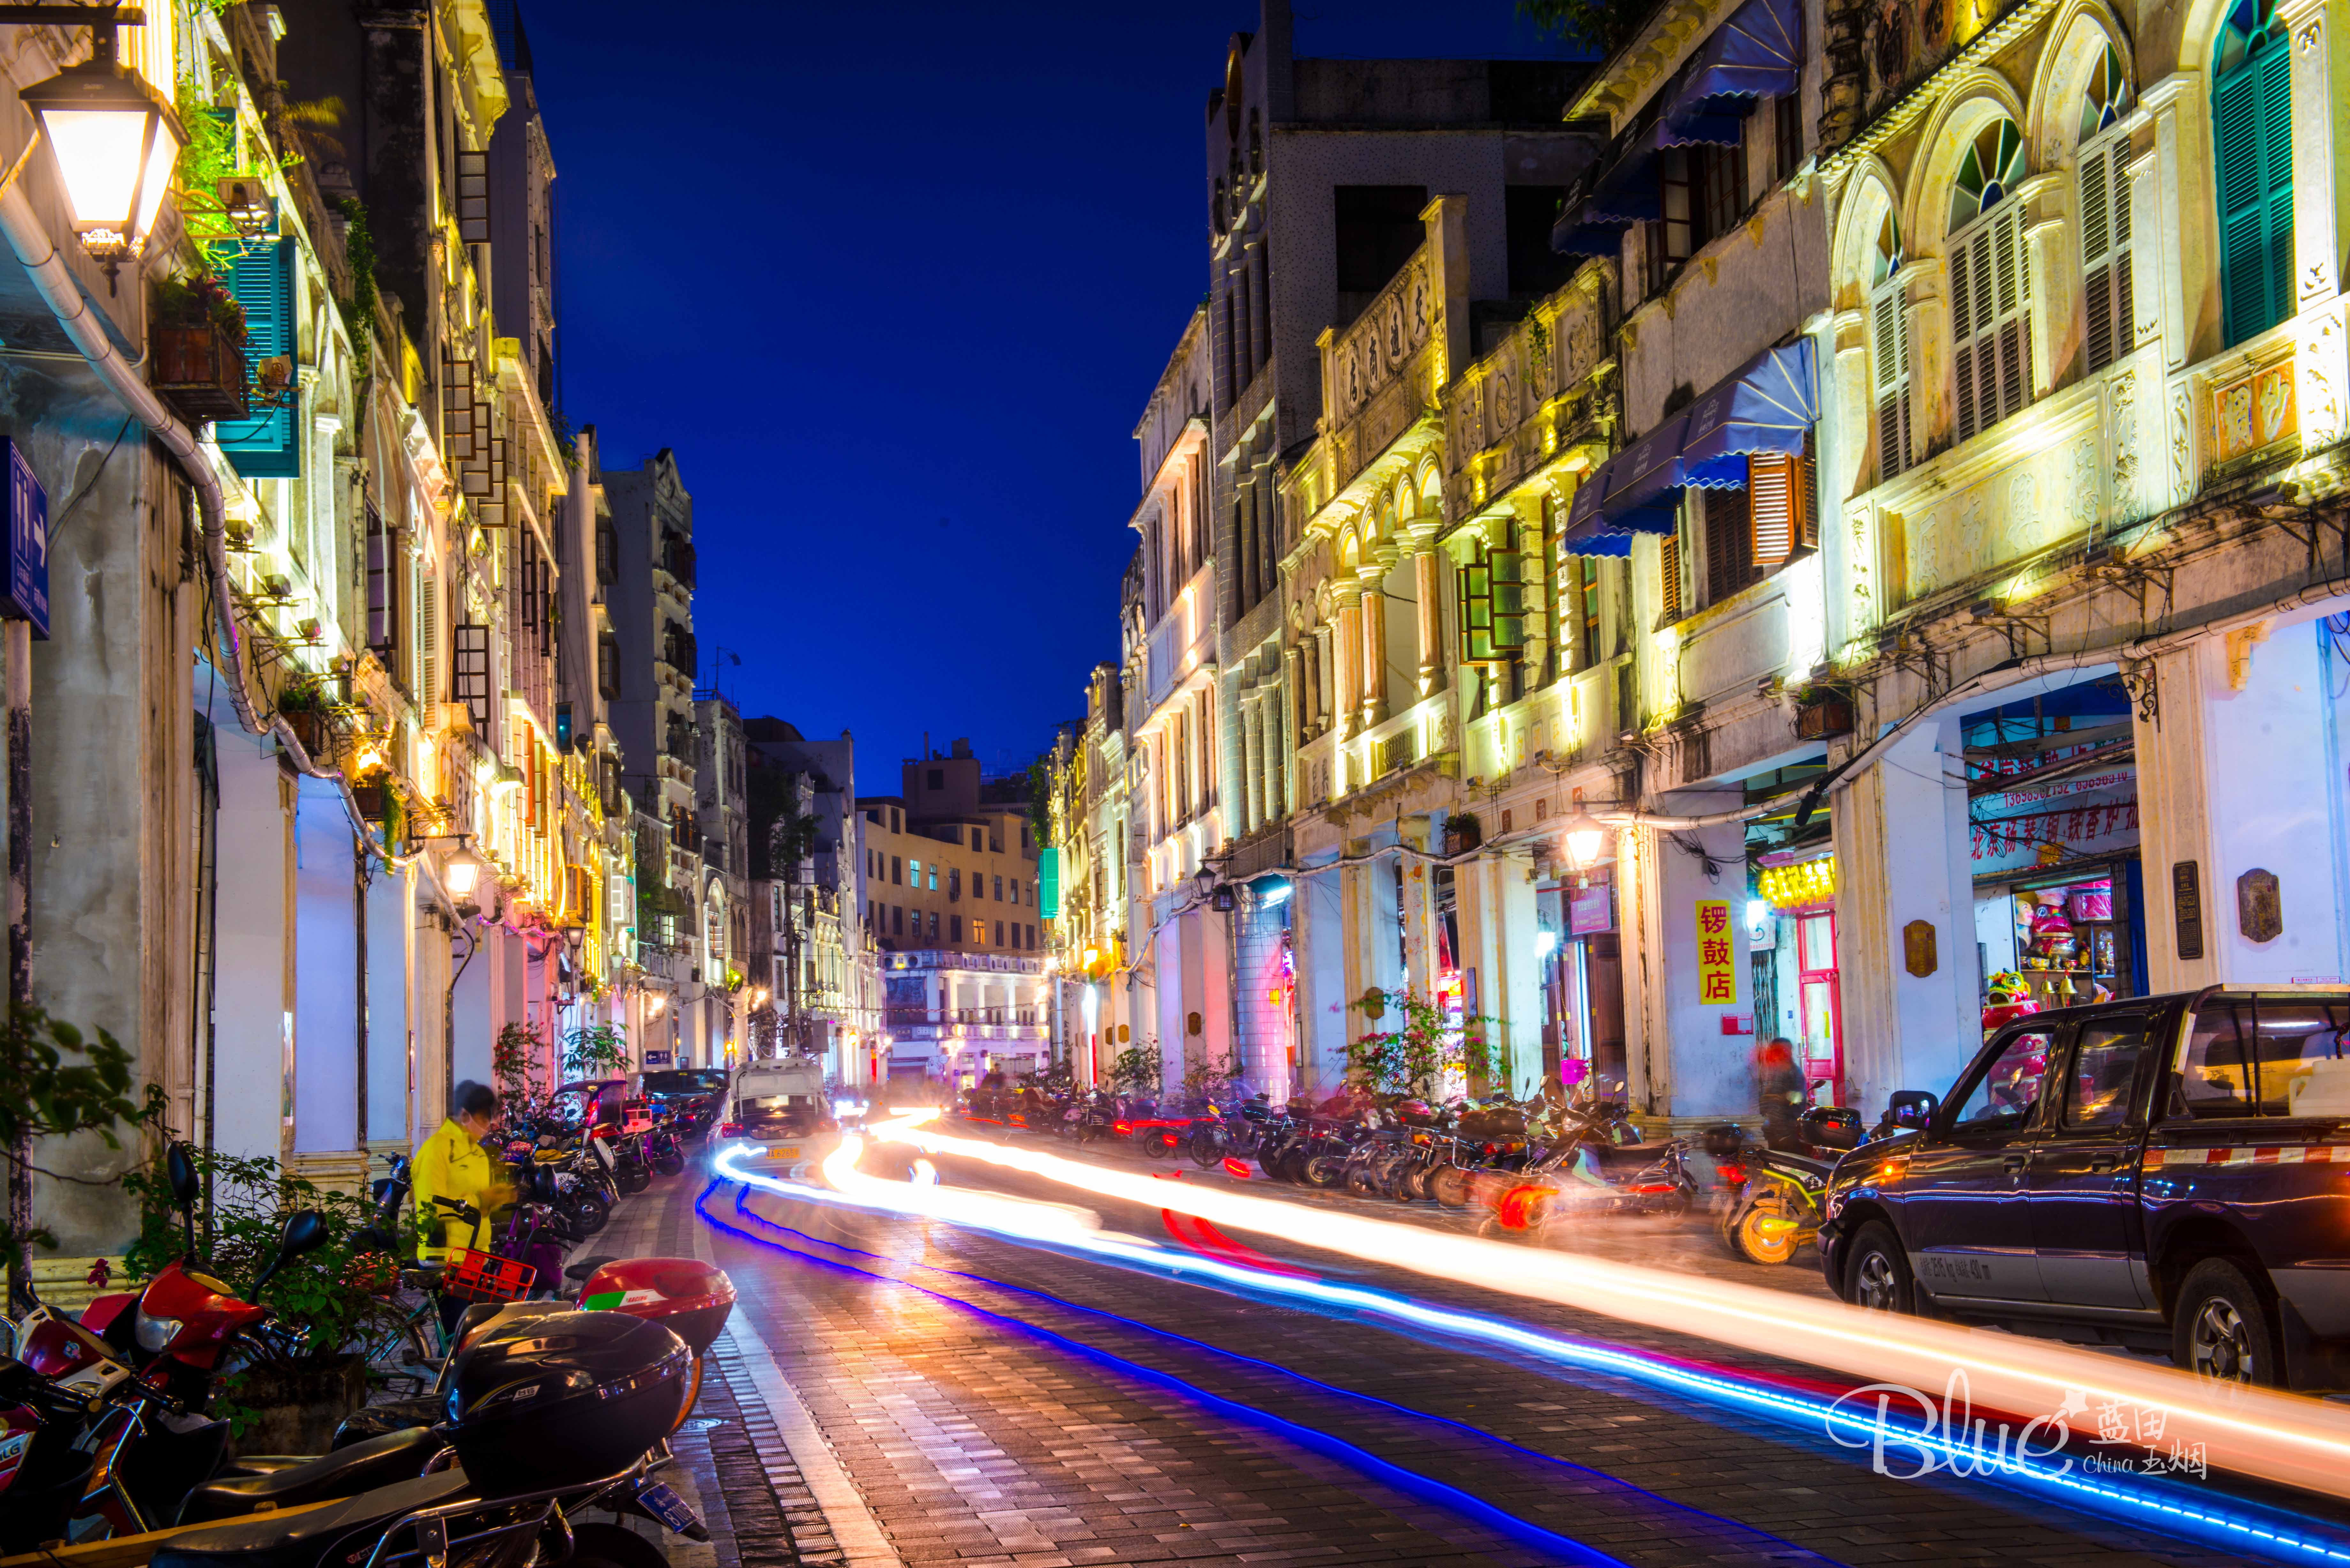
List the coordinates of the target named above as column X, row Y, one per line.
column 1204, row 880
column 1584, row 833
column 115, row 140
column 462, row 872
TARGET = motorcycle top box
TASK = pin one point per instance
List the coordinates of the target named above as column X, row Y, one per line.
column 562, row 1401
column 691, row 1297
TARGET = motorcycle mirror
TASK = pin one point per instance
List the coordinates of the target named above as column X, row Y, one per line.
column 304, row 1233
column 179, row 1171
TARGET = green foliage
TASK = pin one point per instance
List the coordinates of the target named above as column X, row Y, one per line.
column 359, row 249
column 209, row 155
column 1599, row 24
column 199, row 300
column 302, row 697
column 323, row 1303
column 1040, row 798
column 1417, row 1055
column 597, row 1051
column 53, row 1082
column 518, row 1051
column 1139, row 1069
column 1212, row 1079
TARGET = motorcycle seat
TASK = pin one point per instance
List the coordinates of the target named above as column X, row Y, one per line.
column 304, row 1540
column 586, row 1266
column 392, row 1416
column 290, row 1483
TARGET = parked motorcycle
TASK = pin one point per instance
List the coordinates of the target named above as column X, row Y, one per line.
column 1778, row 1205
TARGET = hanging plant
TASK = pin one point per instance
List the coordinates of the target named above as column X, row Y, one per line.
column 199, row 300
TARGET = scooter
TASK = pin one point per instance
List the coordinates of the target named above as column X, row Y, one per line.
column 1779, row 1205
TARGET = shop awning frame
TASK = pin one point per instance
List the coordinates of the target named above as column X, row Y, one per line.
column 1766, row 410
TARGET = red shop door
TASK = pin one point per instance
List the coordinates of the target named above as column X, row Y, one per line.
column 1822, row 1010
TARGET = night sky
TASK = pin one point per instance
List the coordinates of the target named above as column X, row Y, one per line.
column 895, row 280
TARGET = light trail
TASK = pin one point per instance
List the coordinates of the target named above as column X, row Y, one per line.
column 2252, row 1432
column 2143, row 1502
column 1412, row 1483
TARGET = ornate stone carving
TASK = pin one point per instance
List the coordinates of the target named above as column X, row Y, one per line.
column 2182, row 449
column 2124, row 423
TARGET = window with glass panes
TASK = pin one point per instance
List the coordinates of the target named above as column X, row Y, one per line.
column 1990, row 282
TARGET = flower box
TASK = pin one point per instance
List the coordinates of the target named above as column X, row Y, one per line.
column 202, row 373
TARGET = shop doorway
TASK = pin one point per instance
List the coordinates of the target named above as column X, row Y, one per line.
column 1820, row 1007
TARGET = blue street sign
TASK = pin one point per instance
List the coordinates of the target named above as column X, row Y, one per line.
column 656, row 1058
column 27, row 594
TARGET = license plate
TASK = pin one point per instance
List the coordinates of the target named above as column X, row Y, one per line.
column 783, row 1151
column 662, row 1502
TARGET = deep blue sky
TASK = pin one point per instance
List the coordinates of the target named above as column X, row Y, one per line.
column 895, row 280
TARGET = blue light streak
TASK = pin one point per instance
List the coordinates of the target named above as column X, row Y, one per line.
column 1412, row 1483
column 2153, row 1504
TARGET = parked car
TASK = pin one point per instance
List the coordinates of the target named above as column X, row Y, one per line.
column 781, row 1107
column 2167, row 1173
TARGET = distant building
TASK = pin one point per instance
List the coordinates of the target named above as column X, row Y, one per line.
column 808, row 941
column 953, row 905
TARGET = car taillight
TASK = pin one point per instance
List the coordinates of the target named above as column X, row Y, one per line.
column 730, row 1129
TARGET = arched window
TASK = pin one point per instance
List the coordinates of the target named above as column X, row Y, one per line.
column 2104, row 169
column 2252, row 128
column 1889, row 350
column 1990, row 282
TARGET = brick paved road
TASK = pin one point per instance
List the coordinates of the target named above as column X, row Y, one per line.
column 998, row 1405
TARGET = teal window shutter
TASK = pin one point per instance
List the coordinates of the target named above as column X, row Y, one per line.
column 1049, row 877
column 2252, row 126
column 262, row 278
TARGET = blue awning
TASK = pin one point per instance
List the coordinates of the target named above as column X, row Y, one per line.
column 1626, row 191
column 1637, row 491
column 1757, row 53
column 1767, row 407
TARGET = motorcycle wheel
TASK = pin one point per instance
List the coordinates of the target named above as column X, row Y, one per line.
column 670, row 1165
column 1156, row 1147
column 1204, row 1152
column 1449, row 1185
column 1411, row 1184
column 1361, row 1182
column 584, row 1213
column 612, row 1546
column 1324, row 1170
column 1765, row 1233
column 635, row 1179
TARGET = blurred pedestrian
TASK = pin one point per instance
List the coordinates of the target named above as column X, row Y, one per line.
column 1778, row 1092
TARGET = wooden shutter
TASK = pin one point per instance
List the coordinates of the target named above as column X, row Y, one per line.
column 1889, row 356
column 1476, row 593
column 1668, row 564
column 474, row 197
column 2252, row 126
column 2105, row 253
column 470, row 673
column 1729, row 541
column 1509, row 601
column 1990, row 330
column 428, row 642
column 1770, row 489
column 382, row 586
column 261, row 279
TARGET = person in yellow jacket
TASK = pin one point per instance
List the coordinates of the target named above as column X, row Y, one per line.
column 453, row 1165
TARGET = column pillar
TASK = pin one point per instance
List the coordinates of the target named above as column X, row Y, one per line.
column 1246, row 810
column 1432, row 632
column 1682, row 1067
column 1347, row 653
column 2047, row 199
column 1903, row 856
column 1373, row 572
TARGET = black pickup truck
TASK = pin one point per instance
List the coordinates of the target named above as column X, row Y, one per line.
column 2166, row 1173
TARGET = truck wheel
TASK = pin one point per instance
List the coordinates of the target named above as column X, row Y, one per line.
column 1878, row 1276
column 2220, row 1326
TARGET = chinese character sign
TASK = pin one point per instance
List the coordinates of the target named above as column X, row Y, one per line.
column 1717, row 976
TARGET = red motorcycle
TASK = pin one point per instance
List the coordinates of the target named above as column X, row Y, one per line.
column 104, row 1424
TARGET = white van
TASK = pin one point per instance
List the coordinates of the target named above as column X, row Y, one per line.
column 781, row 1107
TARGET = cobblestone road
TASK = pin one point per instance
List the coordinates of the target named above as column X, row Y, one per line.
column 983, row 1403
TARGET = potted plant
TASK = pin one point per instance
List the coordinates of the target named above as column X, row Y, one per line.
column 298, row 1374
column 1462, row 833
column 303, row 708
column 198, row 344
